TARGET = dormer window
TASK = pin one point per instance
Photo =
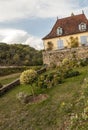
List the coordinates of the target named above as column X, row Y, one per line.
column 59, row 31
column 82, row 26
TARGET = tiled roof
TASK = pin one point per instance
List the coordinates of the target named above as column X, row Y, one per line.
column 69, row 25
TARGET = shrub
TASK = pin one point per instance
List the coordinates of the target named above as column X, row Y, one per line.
column 28, row 76
column 65, row 61
column 71, row 73
column 84, row 62
column 73, row 42
column 50, row 76
column 42, row 82
column 57, row 80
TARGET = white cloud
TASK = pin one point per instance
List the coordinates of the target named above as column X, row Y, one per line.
column 35, row 42
column 17, row 9
column 20, row 36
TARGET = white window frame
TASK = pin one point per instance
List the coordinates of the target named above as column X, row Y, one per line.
column 82, row 26
column 59, row 31
column 60, row 44
column 83, row 40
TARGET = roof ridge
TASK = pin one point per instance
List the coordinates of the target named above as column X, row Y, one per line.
column 71, row 16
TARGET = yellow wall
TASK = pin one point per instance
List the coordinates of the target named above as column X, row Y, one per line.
column 65, row 39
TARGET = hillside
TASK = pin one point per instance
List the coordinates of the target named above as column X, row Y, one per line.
column 19, row 55
column 63, row 110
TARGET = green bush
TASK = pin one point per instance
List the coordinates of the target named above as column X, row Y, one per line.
column 42, row 82
column 71, row 73
column 84, row 62
column 57, row 80
column 28, row 76
column 50, row 76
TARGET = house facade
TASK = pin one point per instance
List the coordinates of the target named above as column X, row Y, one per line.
column 75, row 26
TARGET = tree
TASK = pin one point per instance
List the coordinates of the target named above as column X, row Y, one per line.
column 16, row 59
column 28, row 77
column 73, row 42
column 19, row 55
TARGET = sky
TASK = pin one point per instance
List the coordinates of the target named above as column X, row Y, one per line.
column 28, row 21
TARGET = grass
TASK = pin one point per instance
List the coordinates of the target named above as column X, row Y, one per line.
column 9, row 78
column 47, row 115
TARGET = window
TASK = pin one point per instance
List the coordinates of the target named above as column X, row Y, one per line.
column 83, row 39
column 59, row 31
column 82, row 27
column 60, row 44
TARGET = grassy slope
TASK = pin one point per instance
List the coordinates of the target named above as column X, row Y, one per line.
column 47, row 115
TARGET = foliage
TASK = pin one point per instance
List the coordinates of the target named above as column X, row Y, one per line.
column 83, row 62
column 19, row 55
column 69, row 63
column 73, row 42
column 28, row 76
column 65, row 70
column 78, row 121
column 71, row 73
column 49, row 46
column 49, row 80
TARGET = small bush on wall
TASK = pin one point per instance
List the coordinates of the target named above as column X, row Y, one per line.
column 49, row 46
column 73, row 42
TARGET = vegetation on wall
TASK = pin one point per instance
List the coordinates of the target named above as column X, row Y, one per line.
column 73, row 42
column 19, row 55
column 49, row 46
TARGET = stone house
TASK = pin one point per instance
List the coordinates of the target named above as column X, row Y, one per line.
column 74, row 26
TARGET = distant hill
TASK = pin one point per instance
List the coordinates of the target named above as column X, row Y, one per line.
column 19, row 55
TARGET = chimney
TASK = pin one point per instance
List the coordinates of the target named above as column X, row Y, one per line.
column 82, row 11
column 72, row 14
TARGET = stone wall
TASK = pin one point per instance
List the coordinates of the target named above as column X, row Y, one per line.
column 57, row 56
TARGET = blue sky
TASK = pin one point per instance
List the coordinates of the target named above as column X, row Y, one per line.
column 28, row 21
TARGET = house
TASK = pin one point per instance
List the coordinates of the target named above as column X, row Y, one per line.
column 75, row 26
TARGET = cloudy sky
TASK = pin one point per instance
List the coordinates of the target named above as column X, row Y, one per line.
column 28, row 21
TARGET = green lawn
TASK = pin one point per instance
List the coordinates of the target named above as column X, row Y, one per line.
column 9, row 78
column 47, row 115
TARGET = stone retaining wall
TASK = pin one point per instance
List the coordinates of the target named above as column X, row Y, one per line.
column 56, row 57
